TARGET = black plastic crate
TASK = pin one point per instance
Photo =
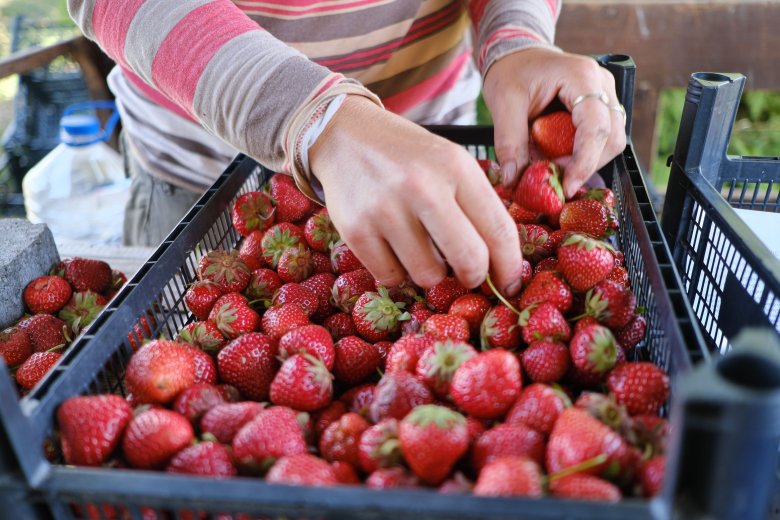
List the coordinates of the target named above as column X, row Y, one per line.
column 96, row 363
column 731, row 277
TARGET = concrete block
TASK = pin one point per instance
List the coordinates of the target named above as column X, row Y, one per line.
column 27, row 251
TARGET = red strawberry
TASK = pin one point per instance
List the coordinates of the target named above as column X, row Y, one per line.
column 342, row 259
column 584, row 261
column 359, row 398
column 249, row 363
column 439, row 362
column 345, row 473
column 377, row 317
column 510, row 476
column 35, row 367
column 406, row 292
column 45, row 331
column 605, row 409
column 205, row 369
column 538, row 407
column 585, row 487
column 142, row 331
column 158, row 371
column 320, row 285
column 547, row 287
column 302, row 470
column 383, row 347
column 405, row 352
column 200, row 298
column 446, row 326
column 379, row 446
column 355, row 360
column 500, row 329
column 198, row 399
column 651, row 476
column 472, row 307
column 321, row 263
column 397, row 394
column 650, row 432
column 641, row 387
column 433, row 438
column 486, row 385
column 87, row 274
column 291, row 204
column 390, row 478
column 47, row 294
column 274, row 433
column 224, row 420
column 253, row 211
column 546, row 361
column 263, row 284
column 226, row 269
column 543, row 322
column 279, row 238
column 295, row 264
column 548, row 264
column 593, row 350
column 302, row 383
column 206, row 459
column 204, row 335
column 233, row 316
column 521, row 215
column 349, row 286
column 533, row 242
column 81, row 310
column 419, row 313
column 309, row 339
column 441, row 295
column 611, row 304
column 619, row 274
column 340, row 325
column 327, row 416
column 507, row 440
column 341, row 440
column 633, row 333
column 298, row 294
column 539, row 189
column 91, row 427
column 585, row 216
column 251, row 251
column 154, row 436
column 278, row 321
column 553, row 134
column 15, row 346
column 320, row 232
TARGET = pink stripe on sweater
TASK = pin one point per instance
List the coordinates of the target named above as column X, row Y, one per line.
column 429, row 88
column 477, row 9
column 154, row 95
column 553, row 8
column 322, row 9
column 189, row 46
column 111, row 21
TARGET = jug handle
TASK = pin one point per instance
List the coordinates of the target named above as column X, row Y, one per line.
column 97, row 105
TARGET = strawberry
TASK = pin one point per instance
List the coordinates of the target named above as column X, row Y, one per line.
column 320, row 285
column 295, row 264
column 605, row 409
column 619, row 274
column 291, row 204
column 545, row 361
column 457, row 485
column 441, row 295
column 158, row 371
column 349, row 286
column 405, row 352
column 377, row 317
column 253, row 211
column 355, row 360
column 521, row 215
column 538, row 406
column 154, row 436
column 446, row 326
column 249, row 363
column 277, row 239
column 584, row 261
column 321, row 263
column 278, row 321
column 302, row 470
column 81, row 310
column 651, row 476
column 506, row 440
column 438, row 364
column 593, row 350
column 419, row 313
column 15, row 346
column 585, row 216
column 327, row 416
column 263, row 284
column 641, row 387
column 87, row 274
column 358, row 399
column 273, row 433
column 433, row 438
column 610, row 303
column 500, row 329
column 206, row 459
column 320, row 232
column 233, row 316
column 548, row 264
column 302, row 383
column 510, row 476
column 201, row 297
column 142, row 331
column 406, row 292
column 396, row 394
column 298, row 294
column 32, row 370
column 198, row 399
column 224, row 420
column 553, row 134
column 383, row 347
column 47, row 294
column 379, row 446
column 345, row 473
column 632, row 333
column 226, row 269
column 60, row 267
column 341, row 440
column 91, row 427
column 539, row 189
column 205, row 369
column 533, row 242
column 390, row 478
column 251, row 250
column 547, row 287
column 45, row 332
column 309, row 339
column 487, row 384
column 472, row 307
column 543, row 322
column 340, row 325
column 203, row 335
column 585, row 487
column 342, row 259
column 118, row 280
column 650, row 433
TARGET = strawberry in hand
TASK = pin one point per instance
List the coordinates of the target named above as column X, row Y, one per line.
column 553, row 134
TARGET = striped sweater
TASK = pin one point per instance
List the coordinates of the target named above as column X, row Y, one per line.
column 198, row 80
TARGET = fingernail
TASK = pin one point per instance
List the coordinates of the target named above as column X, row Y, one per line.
column 508, row 172
column 514, row 287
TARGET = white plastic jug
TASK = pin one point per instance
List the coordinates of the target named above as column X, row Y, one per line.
column 79, row 189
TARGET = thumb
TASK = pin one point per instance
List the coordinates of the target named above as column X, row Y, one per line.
column 510, row 127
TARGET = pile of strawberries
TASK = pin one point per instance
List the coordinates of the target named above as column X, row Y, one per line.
column 60, row 305
column 298, row 367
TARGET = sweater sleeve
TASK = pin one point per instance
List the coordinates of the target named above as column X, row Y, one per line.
column 220, row 68
column 506, row 26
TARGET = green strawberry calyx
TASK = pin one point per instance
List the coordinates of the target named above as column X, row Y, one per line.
column 382, row 312
column 440, row 416
column 447, row 356
column 603, row 351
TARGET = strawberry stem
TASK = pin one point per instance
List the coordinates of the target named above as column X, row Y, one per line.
column 578, row 468
column 500, row 296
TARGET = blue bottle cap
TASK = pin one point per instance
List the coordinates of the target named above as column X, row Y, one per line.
column 79, row 129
